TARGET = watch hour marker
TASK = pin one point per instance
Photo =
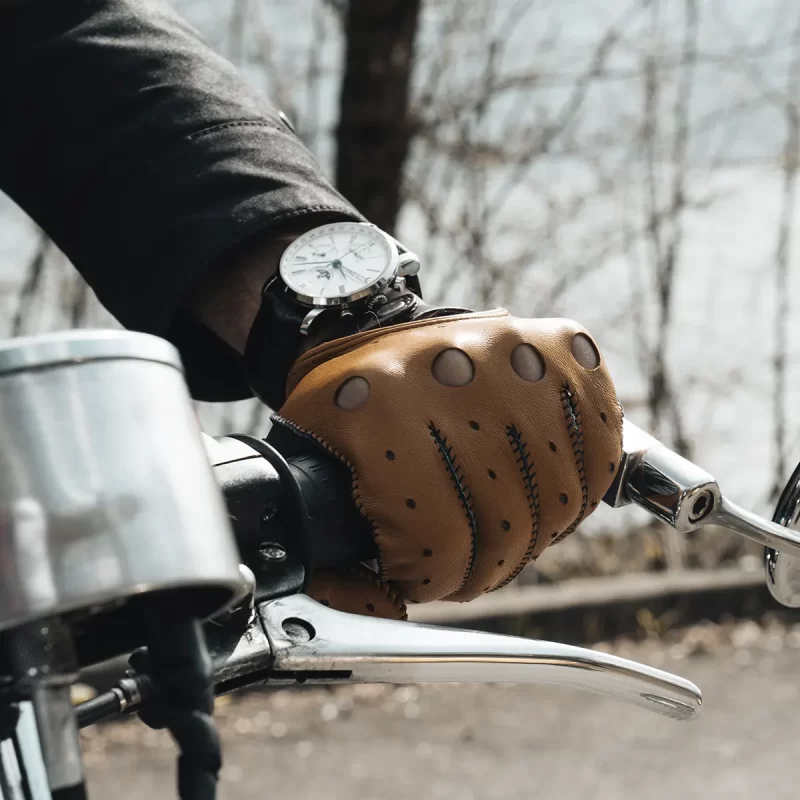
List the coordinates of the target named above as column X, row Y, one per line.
column 341, row 289
column 297, row 271
column 300, row 258
column 373, row 269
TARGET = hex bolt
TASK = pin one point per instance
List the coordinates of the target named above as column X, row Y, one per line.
column 272, row 552
column 268, row 512
column 701, row 506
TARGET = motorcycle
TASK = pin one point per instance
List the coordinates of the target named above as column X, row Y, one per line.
column 124, row 530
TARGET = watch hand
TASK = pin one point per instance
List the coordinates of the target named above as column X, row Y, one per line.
column 341, row 258
column 347, row 269
column 310, row 263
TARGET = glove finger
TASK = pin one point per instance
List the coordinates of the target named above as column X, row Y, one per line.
column 591, row 412
column 529, row 490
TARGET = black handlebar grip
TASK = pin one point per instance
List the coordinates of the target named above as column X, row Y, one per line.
column 339, row 535
column 316, row 517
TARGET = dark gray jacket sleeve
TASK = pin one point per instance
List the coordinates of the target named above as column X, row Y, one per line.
column 145, row 157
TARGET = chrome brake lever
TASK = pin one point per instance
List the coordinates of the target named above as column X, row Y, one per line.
column 311, row 643
column 683, row 495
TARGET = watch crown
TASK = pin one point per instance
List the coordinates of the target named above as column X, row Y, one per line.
column 345, row 312
column 377, row 301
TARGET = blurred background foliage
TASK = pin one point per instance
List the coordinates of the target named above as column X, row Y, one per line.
column 631, row 164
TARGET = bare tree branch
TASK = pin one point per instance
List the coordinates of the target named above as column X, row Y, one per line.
column 782, row 261
column 31, row 284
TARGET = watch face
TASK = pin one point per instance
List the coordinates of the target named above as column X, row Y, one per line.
column 338, row 263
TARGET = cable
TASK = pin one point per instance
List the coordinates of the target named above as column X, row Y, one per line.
column 177, row 660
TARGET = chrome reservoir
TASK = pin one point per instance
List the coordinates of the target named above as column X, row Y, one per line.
column 107, row 498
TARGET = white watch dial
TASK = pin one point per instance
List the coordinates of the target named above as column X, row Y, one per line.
column 337, row 261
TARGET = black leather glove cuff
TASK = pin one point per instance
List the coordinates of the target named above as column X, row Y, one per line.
column 273, row 344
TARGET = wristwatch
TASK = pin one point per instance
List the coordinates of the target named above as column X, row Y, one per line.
column 332, row 281
column 340, row 267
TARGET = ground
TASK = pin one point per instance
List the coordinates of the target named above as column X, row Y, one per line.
column 471, row 742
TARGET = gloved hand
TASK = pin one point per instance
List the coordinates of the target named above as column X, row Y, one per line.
column 474, row 442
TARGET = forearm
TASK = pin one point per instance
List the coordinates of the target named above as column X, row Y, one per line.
column 227, row 298
column 150, row 162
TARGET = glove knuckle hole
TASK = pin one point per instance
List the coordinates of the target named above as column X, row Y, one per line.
column 585, row 352
column 352, row 394
column 528, row 363
column 453, row 367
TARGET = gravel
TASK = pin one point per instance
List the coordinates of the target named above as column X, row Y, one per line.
column 467, row 741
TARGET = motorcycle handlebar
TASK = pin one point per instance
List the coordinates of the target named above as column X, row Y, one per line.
column 302, row 502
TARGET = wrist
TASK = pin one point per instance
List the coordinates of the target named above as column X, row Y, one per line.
column 227, row 297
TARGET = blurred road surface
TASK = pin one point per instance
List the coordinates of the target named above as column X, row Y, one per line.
column 399, row 743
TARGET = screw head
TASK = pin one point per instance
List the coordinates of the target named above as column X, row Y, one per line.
column 272, row 552
column 701, row 506
column 268, row 512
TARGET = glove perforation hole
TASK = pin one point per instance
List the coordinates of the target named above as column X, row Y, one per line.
column 352, row 394
column 612, row 466
column 492, row 474
column 371, row 607
column 474, row 425
column 426, row 581
column 411, row 503
column 563, row 499
column 585, row 352
column 427, row 552
column 528, row 363
column 390, row 455
column 500, row 562
column 505, row 525
column 603, row 416
column 453, row 367
column 553, row 447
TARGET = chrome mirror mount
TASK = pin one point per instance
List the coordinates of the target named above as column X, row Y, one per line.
column 783, row 570
column 686, row 497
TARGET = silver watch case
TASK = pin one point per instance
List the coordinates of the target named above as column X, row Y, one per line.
column 403, row 263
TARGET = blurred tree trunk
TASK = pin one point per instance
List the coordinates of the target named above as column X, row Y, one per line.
column 374, row 127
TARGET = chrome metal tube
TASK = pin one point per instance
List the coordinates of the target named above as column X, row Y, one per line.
column 683, row 495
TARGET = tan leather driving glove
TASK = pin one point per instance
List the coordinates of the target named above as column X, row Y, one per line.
column 463, row 482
